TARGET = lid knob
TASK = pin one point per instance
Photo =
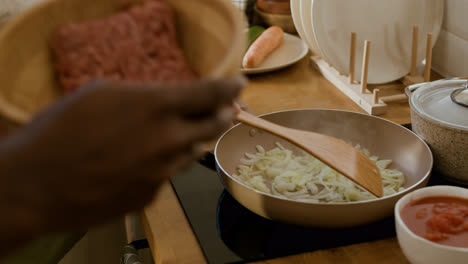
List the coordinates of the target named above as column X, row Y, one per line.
column 460, row 96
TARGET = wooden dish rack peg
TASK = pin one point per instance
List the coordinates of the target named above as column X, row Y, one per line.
column 372, row 102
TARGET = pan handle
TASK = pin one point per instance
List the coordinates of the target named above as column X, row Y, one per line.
column 209, row 161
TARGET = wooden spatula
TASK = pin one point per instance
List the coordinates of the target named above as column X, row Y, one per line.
column 334, row 152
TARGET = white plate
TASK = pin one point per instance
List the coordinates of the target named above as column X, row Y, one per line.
column 306, row 18
column 450, row 55
column 454, row 19
column 296, row 15
column 289, row 52
column 387, row 24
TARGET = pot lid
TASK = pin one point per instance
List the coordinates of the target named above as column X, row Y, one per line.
column 443, row 101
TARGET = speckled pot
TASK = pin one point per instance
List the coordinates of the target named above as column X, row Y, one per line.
column 449, row 144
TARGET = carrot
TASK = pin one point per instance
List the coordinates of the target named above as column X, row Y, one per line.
column 265, row 44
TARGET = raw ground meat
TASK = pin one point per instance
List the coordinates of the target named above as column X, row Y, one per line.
column 137, row 45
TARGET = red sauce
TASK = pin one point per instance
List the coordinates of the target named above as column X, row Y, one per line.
column 441, row 219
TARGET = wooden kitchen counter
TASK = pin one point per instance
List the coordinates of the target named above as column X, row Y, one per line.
column 300, row 86
column 168, row 231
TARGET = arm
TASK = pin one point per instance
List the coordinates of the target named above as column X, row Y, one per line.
column 103, row 152
column 19, row 223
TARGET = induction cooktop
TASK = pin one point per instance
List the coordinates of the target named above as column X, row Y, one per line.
column 229, row 233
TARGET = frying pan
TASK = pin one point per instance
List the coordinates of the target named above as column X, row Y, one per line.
column 383, row 138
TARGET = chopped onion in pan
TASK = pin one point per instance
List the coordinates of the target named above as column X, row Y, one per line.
column 302, row 177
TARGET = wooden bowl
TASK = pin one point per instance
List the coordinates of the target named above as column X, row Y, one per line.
column 211, row 33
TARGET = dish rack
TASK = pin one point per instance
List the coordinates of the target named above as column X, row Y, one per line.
column 371, row 100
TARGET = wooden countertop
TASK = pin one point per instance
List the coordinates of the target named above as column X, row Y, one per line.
column 300, row 86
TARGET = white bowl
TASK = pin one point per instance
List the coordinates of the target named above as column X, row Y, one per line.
column 281, row 20
column 422, row 251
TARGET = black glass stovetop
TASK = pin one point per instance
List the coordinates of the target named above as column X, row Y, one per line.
column 229, row 233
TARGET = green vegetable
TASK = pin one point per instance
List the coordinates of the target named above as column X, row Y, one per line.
column 253, row 33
